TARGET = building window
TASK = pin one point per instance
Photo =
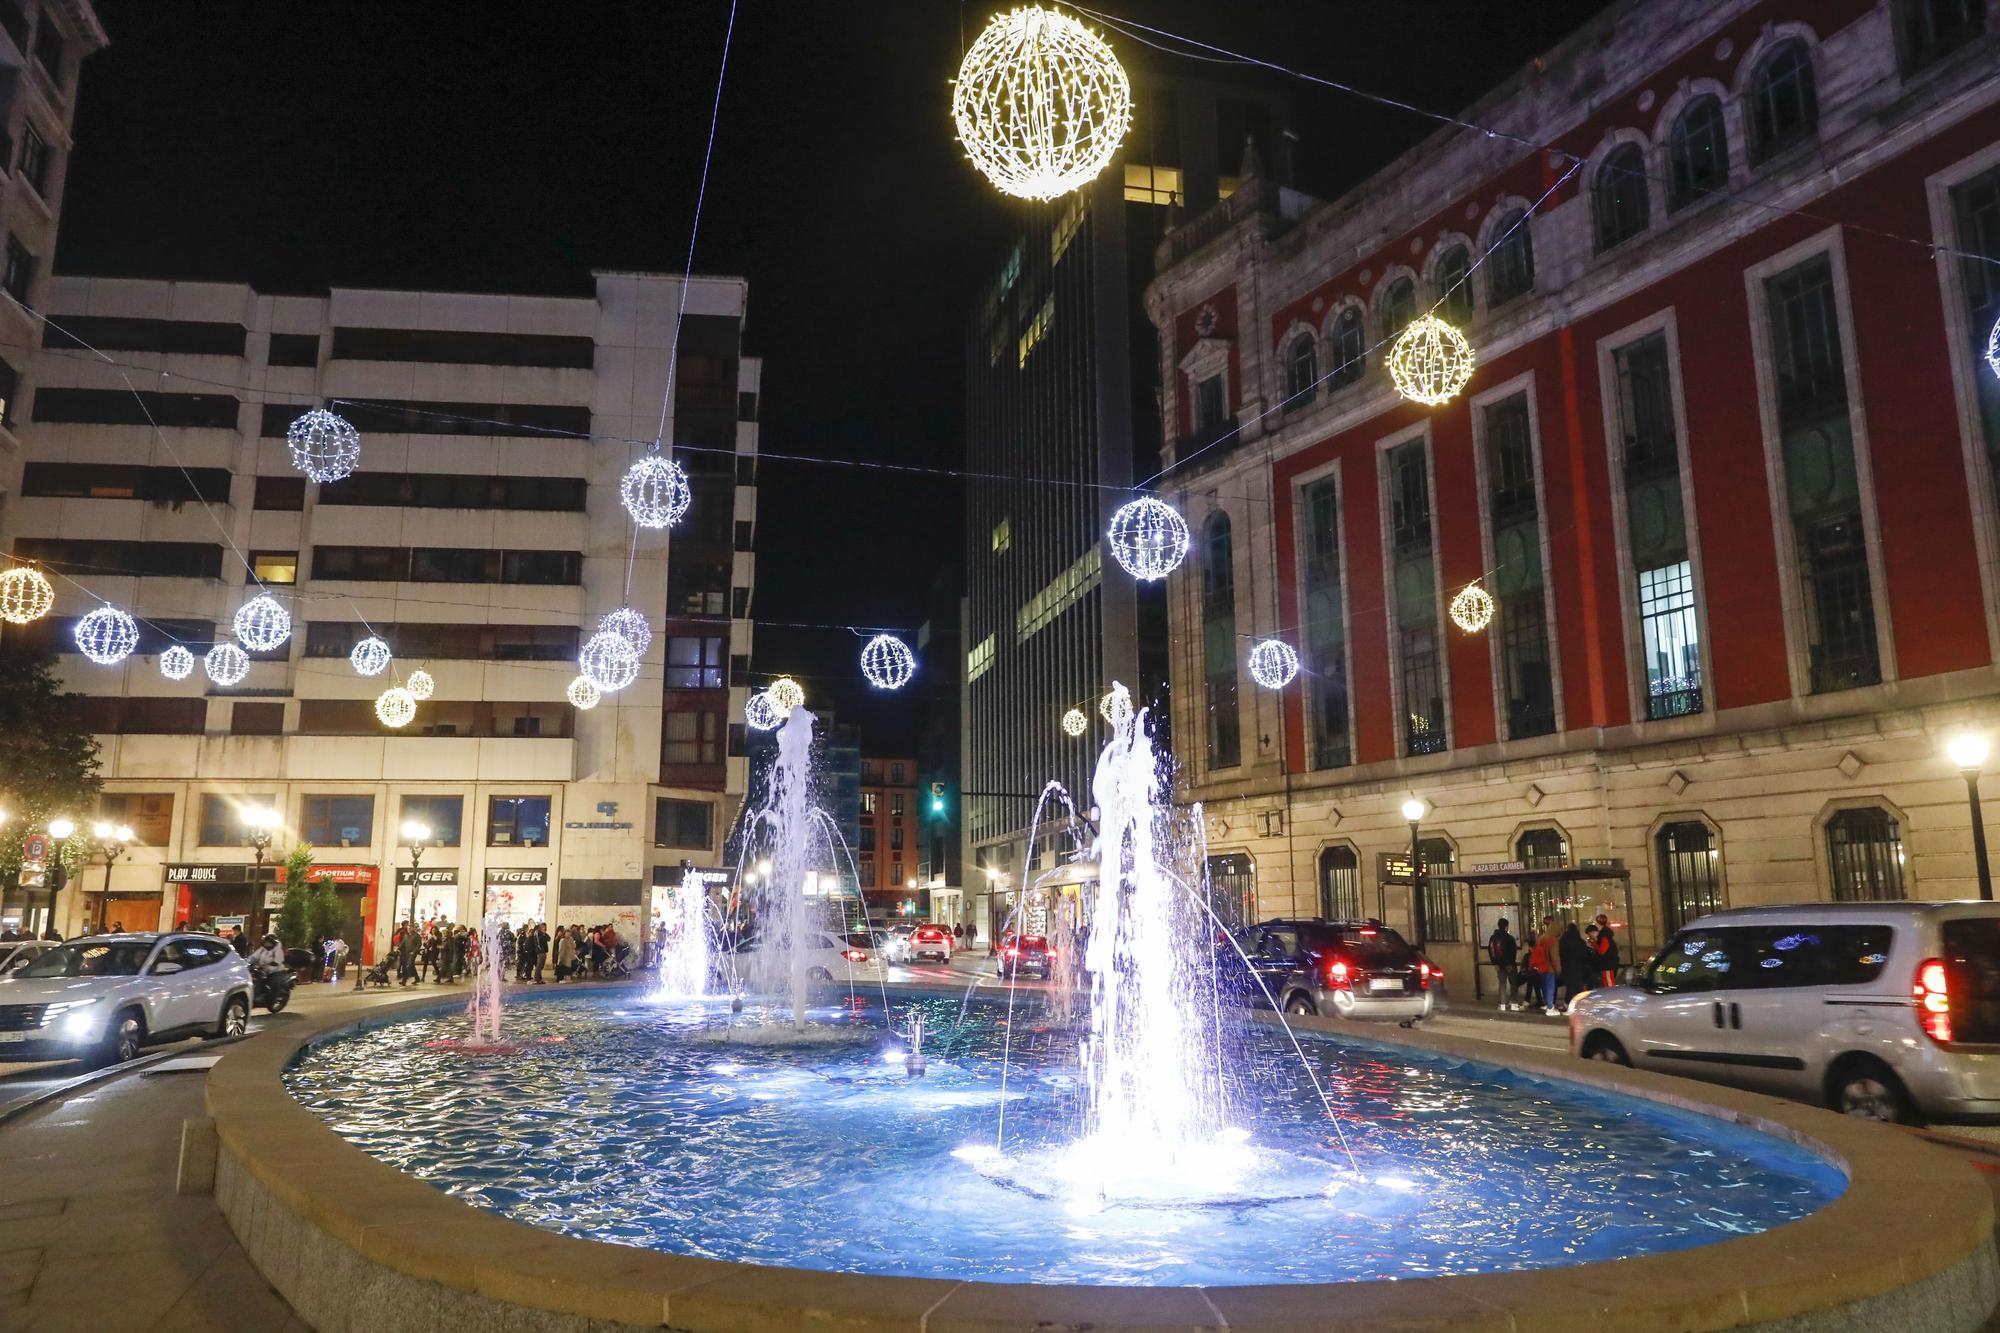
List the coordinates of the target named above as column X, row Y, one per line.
column 1232, row 888
column 1518, row 584
column 1541, row 849
column 687, row 824
column 1210, row 406
column 1510, row 262
column 1928, row 30
column 1218, row 621
column 896, row 838
column 1340, row 884
column 293, row 349
column 1864, row 855
column 1301, row 371
column 275, row 566
column 282, row 493
column 695, row 663
column 867, row 838
column 149, row 814
column 867, row 872
column 1690, row 874
column 896, row 774
column 49, row 49
column 10, row 388
column 19, row 277
column 1325, row 630
column 1822, row 489
column 517, row 821
column 1415, row 582
column 1152, row 185
column 1440, row 895
column 1618, row 199
column 1784, row 104
column 338, row 821
column 34, row 160
column 896, row 804
column 1656, row 529
column 440, row 814
column 222, row 818
column 1454, row 283
column 867, row 802
column 247, row 718
column 1670, row 638
column 1975, row 208
column 691, row 738
column 1399, row 306
column 1697, row 153
column 1003, row 536
column 1346, row 349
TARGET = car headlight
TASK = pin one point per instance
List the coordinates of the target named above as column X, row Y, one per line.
column 78, row 1018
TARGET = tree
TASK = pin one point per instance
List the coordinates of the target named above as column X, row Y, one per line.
column 312, row 908
column 48, row 764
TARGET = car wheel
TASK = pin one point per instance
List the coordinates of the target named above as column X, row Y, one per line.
column 1299, row 1004
column 235, row 1020
column 1867, row 1090
column 1603, row 1046
column 819, row 976
column 123, row 1039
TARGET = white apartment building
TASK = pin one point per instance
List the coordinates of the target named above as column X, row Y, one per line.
column 482, row 537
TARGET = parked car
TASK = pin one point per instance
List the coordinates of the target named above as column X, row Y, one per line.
column 894, row 943
column 1885, row 1010
column 103, row 997
column 1026, row 953
column 931, row 941
column 16, row 954
column 1349, row 969
column 829, row 957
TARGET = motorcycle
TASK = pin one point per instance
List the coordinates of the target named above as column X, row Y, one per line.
column 271, row 988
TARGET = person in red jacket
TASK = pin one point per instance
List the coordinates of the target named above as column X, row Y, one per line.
column 1542, row 962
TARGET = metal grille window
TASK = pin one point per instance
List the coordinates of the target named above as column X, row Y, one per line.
column 1929, row 30
column 1541, row 849
column 1399, row 306
column 1416, row 600
column 1423, row 690
column 1218, row 612
column 1440, row 896
column 1670, row 637
column 1975, row 207
column 1346, row 349
column 1524, row 666
column 1690, row 874
column 1864, row 853
column 1518, row 584
column 1510, row 262
column 1656, row 529
column 1697, row 153
column 1454, row 283
column 1340, row 884
column 1301, row 371
column 1619, row 201
column 1325, row 629
column 1232, row 888
column 1784, row 103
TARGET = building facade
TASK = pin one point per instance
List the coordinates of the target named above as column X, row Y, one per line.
column 482, row 537
column 889, row 854
column 1725, row 469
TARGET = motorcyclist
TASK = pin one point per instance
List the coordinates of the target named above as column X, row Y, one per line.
column 268, row 956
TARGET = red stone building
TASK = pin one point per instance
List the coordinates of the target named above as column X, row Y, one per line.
column 890, row 853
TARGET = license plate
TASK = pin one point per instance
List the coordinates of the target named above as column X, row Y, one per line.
column 1385, row 983
column 6, row 1037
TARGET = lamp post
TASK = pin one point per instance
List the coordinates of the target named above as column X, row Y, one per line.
column 1968, row 750
column 112, row 841
column 415, row 834
column 1413, row 810
column 60, row 828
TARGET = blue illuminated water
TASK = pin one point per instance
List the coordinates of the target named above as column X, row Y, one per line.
column 631, row 1129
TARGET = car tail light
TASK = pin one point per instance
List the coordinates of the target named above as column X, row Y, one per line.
column 854, row 956
column 1423, row 976
column 1933, row 1000
column 1337, row 975
column 1012, row 951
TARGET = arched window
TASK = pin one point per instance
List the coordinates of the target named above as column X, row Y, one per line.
column 1346, row 349
column 1510, row 263
column 1399, row 305
column 1864, row 854
column 1301, row 371
column 1340, row 884
column 1697, row 153
column 1218, row 615
column 1454, row 285
column 1690, row 873
column 1618, row 200
column 1784, row 104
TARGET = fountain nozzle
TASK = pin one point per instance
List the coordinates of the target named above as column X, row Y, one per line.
column 914, row 1063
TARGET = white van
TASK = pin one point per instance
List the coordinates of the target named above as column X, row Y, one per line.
column 1884, row 1010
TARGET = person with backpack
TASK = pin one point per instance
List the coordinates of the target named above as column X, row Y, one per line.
column 1503, row 950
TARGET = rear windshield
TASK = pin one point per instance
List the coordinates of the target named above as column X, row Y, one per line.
column 1972, row 977
column 1376, row 946
column 90, row 959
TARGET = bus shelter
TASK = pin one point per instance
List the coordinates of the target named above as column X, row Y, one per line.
column 1525, row 894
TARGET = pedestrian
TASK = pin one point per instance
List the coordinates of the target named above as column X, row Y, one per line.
column 1574, row 959
column 241, row 940
column 1542, row 963
column 408, row 955
column 1504, row 949
column 541, row 949
column 565, row 955
column 1607, row 951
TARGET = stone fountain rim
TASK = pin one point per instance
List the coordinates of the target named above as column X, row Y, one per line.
column 340, row 1233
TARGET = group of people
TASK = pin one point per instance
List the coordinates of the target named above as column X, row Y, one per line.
column 449, row 953
column 1562, row 962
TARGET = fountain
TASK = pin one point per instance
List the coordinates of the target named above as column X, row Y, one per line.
column 689, row 953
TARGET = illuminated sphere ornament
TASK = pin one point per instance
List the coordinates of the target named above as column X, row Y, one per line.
column 583, row 694
column 420, row 685
column 396, row 707
column 1993, row 348
column 1472, row 608
column 262, row 624
column 1041, row 103
column 1074, row 723
column 107, row 635
column 370, row 657
column 762, row 711
column 1430, row 361
column 1148, row 538
column 608, row 662
column 655, row 492
column 888, row 662
column 25, row 595
column 1116, row 707
column 787, row 694
column 177, row 663
column 324, row 446
column 1273, row 663
column 631, row 625
column 226, row 664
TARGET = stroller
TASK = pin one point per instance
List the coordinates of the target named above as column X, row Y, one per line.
column 377, row 975
column 615, row 964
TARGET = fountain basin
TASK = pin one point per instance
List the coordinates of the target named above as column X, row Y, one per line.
column 293, row 1188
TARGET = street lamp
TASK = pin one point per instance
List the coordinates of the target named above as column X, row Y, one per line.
column 259, row 823
column 60, row 829
column 1413, row 811
column 1968, row 750
column 112, row 840
column 415, row 834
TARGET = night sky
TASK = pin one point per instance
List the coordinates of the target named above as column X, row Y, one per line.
column 503, row 147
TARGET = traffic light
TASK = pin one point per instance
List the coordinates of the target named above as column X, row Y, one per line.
column 937, row 799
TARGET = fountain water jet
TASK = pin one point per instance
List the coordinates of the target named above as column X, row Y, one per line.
column 684, row 963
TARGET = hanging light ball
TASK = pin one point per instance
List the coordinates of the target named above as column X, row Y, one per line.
column 1041, row 103
column 25, row 595
column 107, row 635
column 787, row 694
column 888, row 662
column 420, row 685
column 396, row 707
column 1472, row 608
column 1993, row 348
column 655, row 492
column 1430, row 361
column 1273, row 663
column 1074, row 722
column 1149, row 539
column 762, row 712
column 1116, row 706
column 608, row 662
column 370, row 657
column 324, row 445
column 262, row 624
column 629, row 624
column 226, row 664
column 177, row 663
column 583, row 694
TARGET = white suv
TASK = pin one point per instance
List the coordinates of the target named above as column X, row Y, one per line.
column 105, row 996
column 1885, row 1010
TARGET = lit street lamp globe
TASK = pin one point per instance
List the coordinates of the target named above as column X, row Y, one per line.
column 655, row 492
column 177, row 663
column 1413, row 810
column 262, row 624
column 370, row 657
column 887, row 662
column 1149, row 539
column 1472, row 608
column 1041, row 103
column 1273, row 664
column 324, row 445
column 25, row 595
column 583, row 694
column 1074, row 722
column 608, row 662
column 421, row 685
column 1968, row 750
column 629, row 623
column 1430, row 361
column 396, row 707
column 226, row 664
column 107, row 635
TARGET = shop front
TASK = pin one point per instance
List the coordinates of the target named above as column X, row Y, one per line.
column 356, row 886
column 219, row 895
column 430, row 892
column 517, row 894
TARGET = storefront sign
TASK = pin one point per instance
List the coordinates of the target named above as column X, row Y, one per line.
column 343, row 874
column 613, row 824
column 442, row 877
column 231, row 872
column 669, row 877
column 514, row 877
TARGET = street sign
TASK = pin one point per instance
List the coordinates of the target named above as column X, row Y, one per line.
column 35, row 849
column 32, row 877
